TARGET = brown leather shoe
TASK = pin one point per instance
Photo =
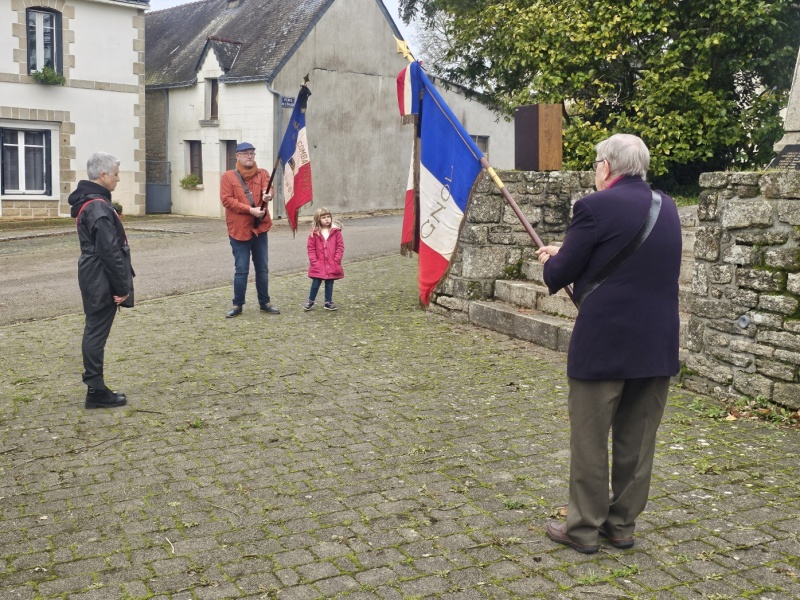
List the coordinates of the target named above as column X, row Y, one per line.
column 558, row 533
column 621, row 543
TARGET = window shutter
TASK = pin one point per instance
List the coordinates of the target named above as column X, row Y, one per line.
column 48, row 171
column 31, row 35
column 2, row 169
column 58, row 52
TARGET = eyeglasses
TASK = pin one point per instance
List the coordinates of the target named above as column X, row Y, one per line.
column 250, row 153
column 597, row 162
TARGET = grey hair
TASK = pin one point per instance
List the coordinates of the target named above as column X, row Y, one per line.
column 626, row 155
column 100, row 162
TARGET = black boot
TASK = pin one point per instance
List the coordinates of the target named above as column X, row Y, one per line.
column 104, row 399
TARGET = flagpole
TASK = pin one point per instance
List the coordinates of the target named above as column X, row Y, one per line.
column 274, row 170
column 517, row 211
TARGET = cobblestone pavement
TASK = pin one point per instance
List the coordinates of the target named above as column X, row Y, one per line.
column 374, row 452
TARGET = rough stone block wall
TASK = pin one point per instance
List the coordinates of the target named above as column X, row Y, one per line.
column 492, row 238
column 156, row 130
column 744, row 332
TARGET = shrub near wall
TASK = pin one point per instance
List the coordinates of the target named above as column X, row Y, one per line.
column 744, row 333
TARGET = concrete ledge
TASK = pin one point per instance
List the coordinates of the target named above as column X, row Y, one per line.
column 543, row 330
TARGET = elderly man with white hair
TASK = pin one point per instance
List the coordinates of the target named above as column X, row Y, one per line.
column 622, row 252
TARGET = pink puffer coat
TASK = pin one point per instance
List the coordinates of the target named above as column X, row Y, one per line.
column 325, row 256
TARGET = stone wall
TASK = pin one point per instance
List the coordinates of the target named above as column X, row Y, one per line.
column 492, row 240
column 744, row 332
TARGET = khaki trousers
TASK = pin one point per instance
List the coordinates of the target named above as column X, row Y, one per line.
column 632, row 410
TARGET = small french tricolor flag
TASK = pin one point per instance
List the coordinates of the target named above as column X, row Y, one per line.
column 295, row 161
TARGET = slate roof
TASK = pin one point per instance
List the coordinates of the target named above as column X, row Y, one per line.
column 252, row 41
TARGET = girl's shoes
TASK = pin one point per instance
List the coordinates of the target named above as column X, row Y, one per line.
column 331, row 306
column 308, row 305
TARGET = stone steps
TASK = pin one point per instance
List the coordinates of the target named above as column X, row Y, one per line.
column 524, row 309
column 543, row 330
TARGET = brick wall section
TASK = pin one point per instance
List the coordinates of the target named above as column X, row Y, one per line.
column 744, row 332
column 492, row 237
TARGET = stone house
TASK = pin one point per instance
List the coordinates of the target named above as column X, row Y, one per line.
column 219, row 72
column 94, row 52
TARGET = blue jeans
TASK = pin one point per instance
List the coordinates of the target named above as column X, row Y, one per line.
column 257, row 246
column 315, row 283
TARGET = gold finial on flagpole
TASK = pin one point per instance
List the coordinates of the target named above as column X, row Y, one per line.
column 402, row 48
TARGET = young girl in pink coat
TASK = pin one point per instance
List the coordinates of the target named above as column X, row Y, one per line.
column 325, row 251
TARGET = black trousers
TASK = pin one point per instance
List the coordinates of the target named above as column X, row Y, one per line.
column 95, row 334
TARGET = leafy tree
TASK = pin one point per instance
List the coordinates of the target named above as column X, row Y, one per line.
column 702, row 82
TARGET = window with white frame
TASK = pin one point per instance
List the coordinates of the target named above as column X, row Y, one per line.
column 44, row 40
column 26, row 164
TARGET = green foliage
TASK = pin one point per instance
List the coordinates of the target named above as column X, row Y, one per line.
column 189, row 182
column 701, row 82
column 513, row 271
column 48, row 76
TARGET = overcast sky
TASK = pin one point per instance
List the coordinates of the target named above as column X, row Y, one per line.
column 391, row 6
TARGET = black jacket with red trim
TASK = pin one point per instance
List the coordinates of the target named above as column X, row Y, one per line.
column 104, row 267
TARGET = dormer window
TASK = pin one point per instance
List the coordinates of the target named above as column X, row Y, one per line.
column 44, row 40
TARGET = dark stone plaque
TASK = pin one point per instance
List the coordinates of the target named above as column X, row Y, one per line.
column 788, row 159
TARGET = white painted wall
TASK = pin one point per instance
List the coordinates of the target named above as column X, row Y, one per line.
column 245, row 114
column 103, row 46
column 7, row 41
column 477, row 119
column 360, row 150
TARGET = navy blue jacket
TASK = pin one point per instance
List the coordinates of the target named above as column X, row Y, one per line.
column 627, row 328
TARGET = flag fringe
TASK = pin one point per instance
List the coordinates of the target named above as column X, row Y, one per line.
column 407, row 249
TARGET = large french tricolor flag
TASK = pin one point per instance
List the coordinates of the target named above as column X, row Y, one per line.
column 295, row 162
column 449, row 165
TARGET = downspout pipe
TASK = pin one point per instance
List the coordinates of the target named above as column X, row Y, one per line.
column 166, row 151
column 276, row 145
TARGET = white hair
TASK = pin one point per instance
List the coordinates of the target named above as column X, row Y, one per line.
column 100, row 162
column 626, row 155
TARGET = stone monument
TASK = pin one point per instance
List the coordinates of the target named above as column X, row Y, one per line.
column 788, row 148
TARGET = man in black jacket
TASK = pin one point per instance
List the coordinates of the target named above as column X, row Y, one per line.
column 105, row 275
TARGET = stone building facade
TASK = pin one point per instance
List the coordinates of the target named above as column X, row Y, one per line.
column 48, row 131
